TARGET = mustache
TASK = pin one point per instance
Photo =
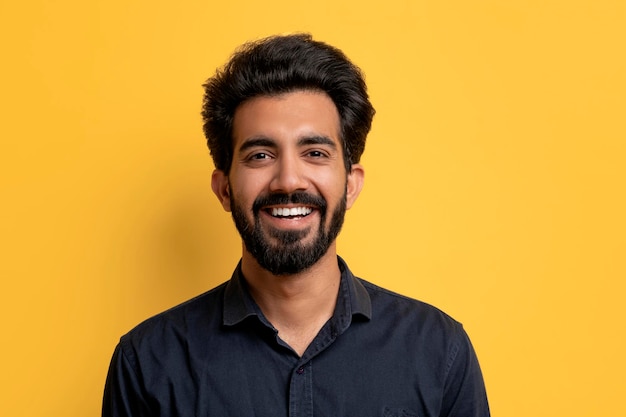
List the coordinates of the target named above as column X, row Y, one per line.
column 293, row 198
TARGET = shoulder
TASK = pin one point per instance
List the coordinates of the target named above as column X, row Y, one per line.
column 414, row 319
column 435, row 337
column 180, row 321
column 392, row 302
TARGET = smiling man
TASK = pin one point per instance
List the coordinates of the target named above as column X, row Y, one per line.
column 293, row 332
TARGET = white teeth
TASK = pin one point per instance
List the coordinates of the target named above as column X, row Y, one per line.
column 294, row 211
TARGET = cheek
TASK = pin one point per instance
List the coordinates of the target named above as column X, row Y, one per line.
column 245, row 189
column 335, row 191
column 243, row 195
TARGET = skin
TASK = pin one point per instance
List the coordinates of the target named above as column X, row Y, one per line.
column 284, row 144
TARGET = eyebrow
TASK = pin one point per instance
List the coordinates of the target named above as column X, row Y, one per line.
column 254, row 142
column 263, row 141
column 317, row 140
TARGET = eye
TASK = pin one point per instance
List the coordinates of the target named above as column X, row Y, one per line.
column 259, row 156
column 316, row 154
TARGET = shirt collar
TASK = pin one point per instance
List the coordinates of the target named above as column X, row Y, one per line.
column 353, row 300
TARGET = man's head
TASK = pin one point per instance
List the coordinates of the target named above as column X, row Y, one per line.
column 281, row 64
column 286, row 122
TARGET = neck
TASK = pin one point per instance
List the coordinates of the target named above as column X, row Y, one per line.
column 297, row 305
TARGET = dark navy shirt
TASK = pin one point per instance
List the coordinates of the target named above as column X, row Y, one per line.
column 381, row 354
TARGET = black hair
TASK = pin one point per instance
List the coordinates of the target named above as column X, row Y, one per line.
column 278, row 65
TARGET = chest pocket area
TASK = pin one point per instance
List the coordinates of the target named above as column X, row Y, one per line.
column 398, row 412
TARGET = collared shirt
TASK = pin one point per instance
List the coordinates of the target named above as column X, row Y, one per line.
column 381, row 354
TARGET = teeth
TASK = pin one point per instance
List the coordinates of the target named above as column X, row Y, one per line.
column 293, row 211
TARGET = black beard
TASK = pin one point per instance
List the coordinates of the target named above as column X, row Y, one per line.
column 290, row 256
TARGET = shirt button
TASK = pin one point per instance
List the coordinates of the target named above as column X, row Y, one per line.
column 300, row 370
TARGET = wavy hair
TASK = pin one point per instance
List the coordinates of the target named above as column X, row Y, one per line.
column 278, row 65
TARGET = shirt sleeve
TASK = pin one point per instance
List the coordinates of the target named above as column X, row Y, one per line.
column 465, row 394
column 123, row 391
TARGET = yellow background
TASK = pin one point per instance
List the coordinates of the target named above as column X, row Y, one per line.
column 494, row 186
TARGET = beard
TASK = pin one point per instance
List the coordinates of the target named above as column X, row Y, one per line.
column 289, row 255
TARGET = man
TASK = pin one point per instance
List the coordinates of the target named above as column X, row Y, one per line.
column 293, row 333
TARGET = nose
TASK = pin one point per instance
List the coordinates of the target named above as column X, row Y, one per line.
column 289, row 176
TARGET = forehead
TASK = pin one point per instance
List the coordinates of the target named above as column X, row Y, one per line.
column 286, row 116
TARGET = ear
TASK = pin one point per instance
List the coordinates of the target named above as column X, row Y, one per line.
column 356, row 176
column 219, row 184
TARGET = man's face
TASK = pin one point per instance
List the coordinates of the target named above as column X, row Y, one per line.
column 288, row 189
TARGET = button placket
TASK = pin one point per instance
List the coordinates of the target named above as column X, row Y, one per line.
column 301, row 391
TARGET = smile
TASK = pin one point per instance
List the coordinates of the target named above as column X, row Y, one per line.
column 290, row 211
